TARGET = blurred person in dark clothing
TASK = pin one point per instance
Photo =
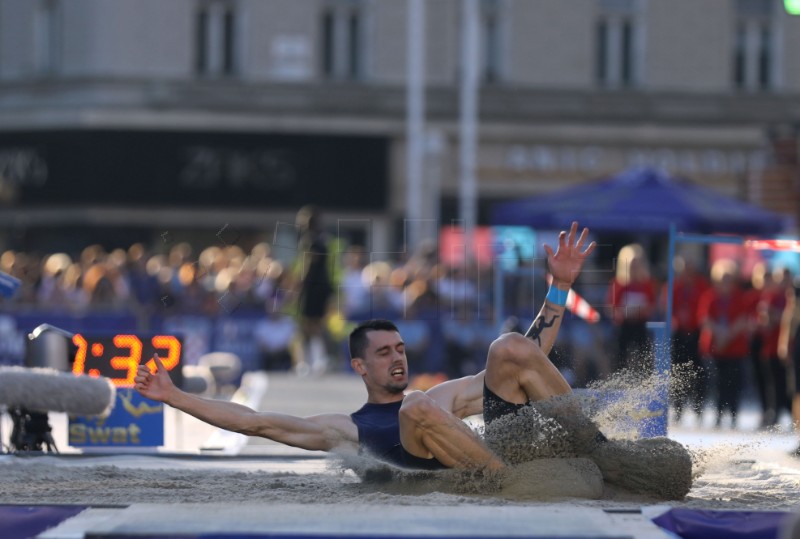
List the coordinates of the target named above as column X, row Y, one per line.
column 315, row 287
column 105, row 287
column 26, row 267
column 723, row 316
column 789, row 352
column 760, row 281
column 144, row 286
column 770, row 309
column 193, row 296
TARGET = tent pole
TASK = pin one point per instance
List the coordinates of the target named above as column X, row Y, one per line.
column 499, row 290
column 670, row 292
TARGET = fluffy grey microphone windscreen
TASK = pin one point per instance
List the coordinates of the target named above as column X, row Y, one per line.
column 49, row 390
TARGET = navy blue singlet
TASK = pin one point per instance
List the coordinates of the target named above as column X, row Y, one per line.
column 379, row 434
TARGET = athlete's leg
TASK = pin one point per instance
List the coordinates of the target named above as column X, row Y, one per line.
column 429, row 431
column 518, row 371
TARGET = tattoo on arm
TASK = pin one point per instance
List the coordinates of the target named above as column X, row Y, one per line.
column 540, row 324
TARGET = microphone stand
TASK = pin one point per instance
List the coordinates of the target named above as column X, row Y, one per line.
column 31, row 429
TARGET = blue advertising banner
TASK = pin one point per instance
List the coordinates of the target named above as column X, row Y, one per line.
column 134, row 422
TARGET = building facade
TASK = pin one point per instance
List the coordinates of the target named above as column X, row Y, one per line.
column 144, row 115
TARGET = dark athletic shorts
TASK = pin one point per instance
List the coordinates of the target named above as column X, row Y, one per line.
column 494, row 407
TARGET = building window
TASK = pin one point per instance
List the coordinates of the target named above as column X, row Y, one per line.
column 49, row 36
column 215, row 38
column 228, row 44
column 626, row 56
column 753, row 55
column 342, row 40
column 353, row 45
column 739, row 57
column 491, row 41
column 616, row 41
column 201, row 41
column 601, row 46
column 765, row 58
column 327, row 40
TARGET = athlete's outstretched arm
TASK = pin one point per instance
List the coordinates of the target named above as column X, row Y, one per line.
column 564, row 265
column 324, row 432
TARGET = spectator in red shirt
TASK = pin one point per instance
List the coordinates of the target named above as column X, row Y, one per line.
column 760, row 280
column 770, row 309
column 631, row 302
column 723, row 316
column 789, row 352
column 688, row 387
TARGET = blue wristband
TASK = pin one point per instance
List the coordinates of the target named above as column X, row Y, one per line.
column 556, row 296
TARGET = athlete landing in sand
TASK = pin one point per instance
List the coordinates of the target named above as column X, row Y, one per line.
column 418, row 429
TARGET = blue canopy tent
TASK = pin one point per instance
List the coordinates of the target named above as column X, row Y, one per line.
column 639, row 200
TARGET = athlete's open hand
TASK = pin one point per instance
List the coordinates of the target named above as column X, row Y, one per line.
column 566, row 262
column 157, row 385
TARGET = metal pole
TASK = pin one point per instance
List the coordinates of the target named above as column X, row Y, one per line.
column 415, row 121
column 470, row 40
column 670, row 293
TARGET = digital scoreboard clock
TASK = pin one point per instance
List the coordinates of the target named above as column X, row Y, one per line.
column 117, row 357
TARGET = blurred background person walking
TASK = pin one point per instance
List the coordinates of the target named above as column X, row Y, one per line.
column 770, row 309
column 723, row 316
column 314, row 288
column 760, row 282
column 631, row 302
column 689, row 374
column 789, row 352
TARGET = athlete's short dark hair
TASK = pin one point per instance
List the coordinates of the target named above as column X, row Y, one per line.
column 358, row 337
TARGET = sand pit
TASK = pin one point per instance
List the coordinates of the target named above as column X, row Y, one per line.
column 748, row 471
column 553, row 479
column 744, row 470
column 540, row 479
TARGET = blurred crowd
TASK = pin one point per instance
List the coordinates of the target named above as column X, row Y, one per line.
column 138, row 280
column 315, row 295
column 730, row 337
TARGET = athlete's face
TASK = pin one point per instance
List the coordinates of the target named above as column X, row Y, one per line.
column 384, row 365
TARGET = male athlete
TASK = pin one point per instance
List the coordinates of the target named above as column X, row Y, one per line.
column 422, row 430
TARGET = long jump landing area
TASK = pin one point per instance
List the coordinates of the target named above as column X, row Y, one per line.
column 254, row 488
